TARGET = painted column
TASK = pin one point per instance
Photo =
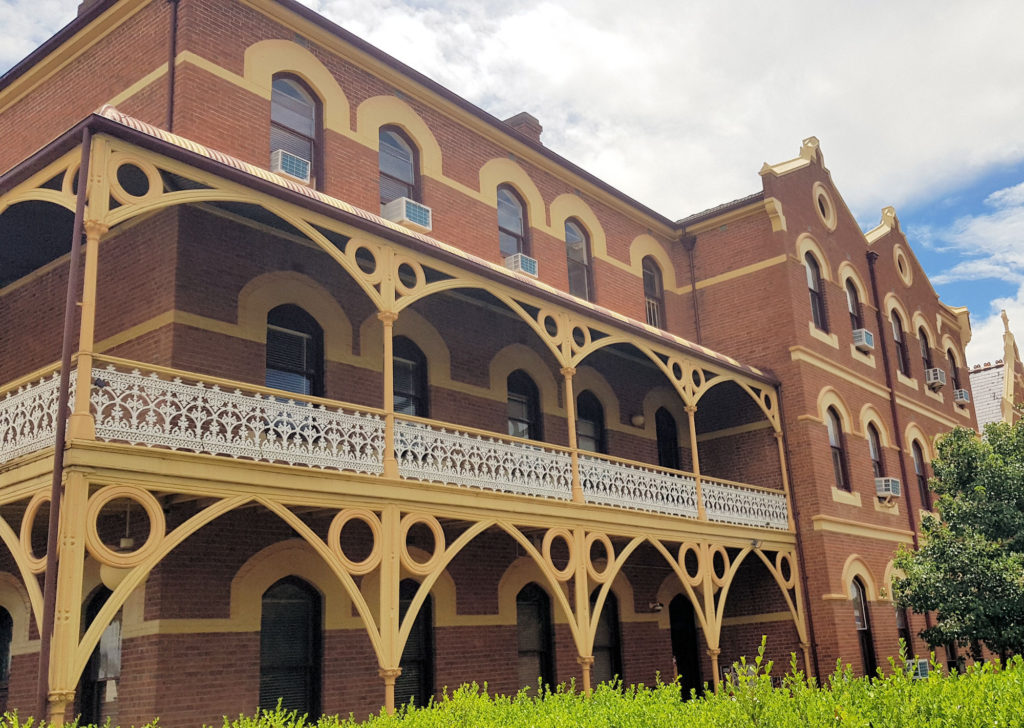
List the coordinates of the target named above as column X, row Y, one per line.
column 570, row 415
column 390, row 576
column 691, row 411
column 388, row 318
column 81, row 424
column 713, row 654
column 581, row 594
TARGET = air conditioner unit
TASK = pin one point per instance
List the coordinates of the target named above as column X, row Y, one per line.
column 409, row 213
column 961, row 396
column 918, row 669
column 935, row 378
column 282, row 162
column 864, row 340
column 522, row 263
column 887, row 487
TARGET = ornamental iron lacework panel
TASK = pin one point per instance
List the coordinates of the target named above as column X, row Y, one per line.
column 28, row 417
column 638, row 488
column 733, row 504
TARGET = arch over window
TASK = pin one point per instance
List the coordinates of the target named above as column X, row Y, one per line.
column 954, row 369
column 577, row 253
column 416, row 683
column 668, row 439
column 97, row 691
column 295, row 345
column 607, row 641
column 817, row 292
column 411, row 392
column 921, row 473
column 862, row 621
column 853, row 305
column 6, row 637
column 589, row 423
column 524, row 411
column 398, row 161
column 875, row 449
column 295, row 123
column 534, row 637
column 291, row 644
column 654, row 292
column 836, row 441
column 512, row 223
column 926, row 349
column 899, row 338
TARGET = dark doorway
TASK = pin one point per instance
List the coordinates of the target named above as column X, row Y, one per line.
column 685, row 645
column 416, row 683
column 97, row 690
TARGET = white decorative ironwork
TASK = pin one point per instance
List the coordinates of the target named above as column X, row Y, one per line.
column 644, row 489
column 28, row 417
column 730, row 503
column 147, row 410
column 450, row 456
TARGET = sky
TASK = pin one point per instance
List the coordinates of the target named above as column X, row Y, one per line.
column 919, row 105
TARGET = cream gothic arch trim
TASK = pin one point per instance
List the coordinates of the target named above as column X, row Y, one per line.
column 521, row 572
column 520, row 356
column 665, row 396
column 891, row 303
column 829, row 397
column 568, row 205
column 807, row 244
column 868, row 414
column 589, row 378
column 914, row 432
column 847, row 271
column 500, row 171
column 920, row 322
column 15, row 600
column 380, row 111
column 856, row 566
column 643, row 246
column 415, row 327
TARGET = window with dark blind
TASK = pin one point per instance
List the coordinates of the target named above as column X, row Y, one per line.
column 512, row 227
column 416, row 683
column 817, row 292
column 921, row 472
column 410, row 378
column 954, row 370
column 899, row 338
column 836, row 442
column 853, row 304
column 875, row 449
column 668, row 439
column 577, row 252
column 589, row 423
column 295, row 344
column 862, row 621
column 291, row 637
column 524, row 413
column 397, row 160
column 533, row 637
column 295, row 121
column 926, row 349
column 6, row 637
column 654, row 292
column 607, row 641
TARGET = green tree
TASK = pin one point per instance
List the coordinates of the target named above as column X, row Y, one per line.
column 970, row 567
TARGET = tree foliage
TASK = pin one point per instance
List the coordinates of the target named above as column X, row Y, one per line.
column 970, row 567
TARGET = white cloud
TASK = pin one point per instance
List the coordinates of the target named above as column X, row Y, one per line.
column 987, row 343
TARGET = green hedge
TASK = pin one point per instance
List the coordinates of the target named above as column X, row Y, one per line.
column 986, row 695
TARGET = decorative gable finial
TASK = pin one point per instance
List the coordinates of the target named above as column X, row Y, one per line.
column 811, row 149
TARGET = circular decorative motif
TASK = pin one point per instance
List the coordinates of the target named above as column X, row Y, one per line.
column 548, row 322
column 784, row 567
column 157, row 525
column 422, row 568
column 334, row 539
column 823, row 205
column 70, row 181
column 600, row 576
column 903, row 268
column 365, row 260
column 716, row 578
column 581, row 337
column 684, row 549
column 563, row 533
column 126, row 168
column 36, row 564
column 411, row 271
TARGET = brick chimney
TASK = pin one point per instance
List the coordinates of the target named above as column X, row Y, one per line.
column 526, row 124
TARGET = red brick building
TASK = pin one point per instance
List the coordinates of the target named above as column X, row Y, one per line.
column 373, row 394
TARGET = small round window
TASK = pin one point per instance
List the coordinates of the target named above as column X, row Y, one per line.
column 823, row 204
column 906, row 273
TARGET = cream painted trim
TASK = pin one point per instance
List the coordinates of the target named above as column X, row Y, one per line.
column 920, row 322
column 805, row 244
column 887, row 224
column 519, row 356
column 736, row 273
column 924, row 410
column 667, row 397
column 501, row 171
column 828, row 396
column 830, row 339
column 773, row 208
column 754, row 209
column 938, row 396
column 892, row 507
column 869, row 414
column 589, row 378
column 802, row 353
column 848, row 497
column 567, row 206
column 810, row 418
column 644, row 245
column 15, row 600
column 907, row 274
column 222, row 73
column 908, row 381
column 846, row 270
column 829, row 218
column 757, row 619
column 863, row 358
column 380, row 111
column 143, row 83
column 738, row 430
column 833, row 524
column 855, row 566
column 914, row 432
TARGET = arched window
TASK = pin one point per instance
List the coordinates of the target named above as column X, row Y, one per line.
column 295, row 345
column 524, row 413
column 654, row 292
column 668, row 439
column 291, row 639
column 921, row 472
column 416, row 683
column 862, row 620
column 875, row 448
column 926, row 349
column 399, row 168
column 295, row 125
column 853, row 304
column 607, row 641
column 533, row 636
column 512, row 224
column 836, row 441
column 97, row 691
column 954, row 370
column 685, row 645
column 589, row 422
column 410, row 378
column 899, row 338
column 903, row 631
column 817, row 291
column 577, row 253
column 6, row 637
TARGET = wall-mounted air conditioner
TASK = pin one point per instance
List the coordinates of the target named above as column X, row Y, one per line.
column 522, row 263
column 863, row 340
column 918, row 669
column 887, row 487
column 409, row 213
column 961, row 396
column 935, row 378
column 282, row 162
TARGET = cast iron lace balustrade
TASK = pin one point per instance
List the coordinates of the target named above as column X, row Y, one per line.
column 450, row 456
column 730, row 503
column 147, row 410
column 644, row 489
column 28, row 417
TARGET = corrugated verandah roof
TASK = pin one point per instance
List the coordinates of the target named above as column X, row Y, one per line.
column 112, row 114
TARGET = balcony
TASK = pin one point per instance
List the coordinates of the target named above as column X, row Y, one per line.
column 169, row 409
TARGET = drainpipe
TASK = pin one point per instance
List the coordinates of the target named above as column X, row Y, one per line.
column 690, row 243
column 63, row 395
column 802, row 558
column 173, row 54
